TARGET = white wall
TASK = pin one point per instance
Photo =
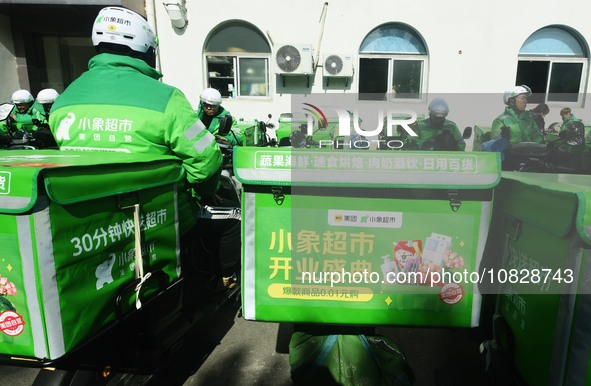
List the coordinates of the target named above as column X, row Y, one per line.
column 488, row 34
column 8, row 73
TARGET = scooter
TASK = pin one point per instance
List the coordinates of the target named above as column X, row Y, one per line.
column 535, row 157
column 138, row 346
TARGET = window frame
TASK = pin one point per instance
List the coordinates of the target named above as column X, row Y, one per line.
column 392, row 57
column 235, row 76
column 543, row 54
column 552, row 60
column 236, row 39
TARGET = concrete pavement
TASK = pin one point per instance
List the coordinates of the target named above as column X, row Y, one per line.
column 227, row 350
column 256, row 353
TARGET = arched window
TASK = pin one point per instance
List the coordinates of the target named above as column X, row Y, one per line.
column 237, row 56
column 553, row 63
column 392, row 62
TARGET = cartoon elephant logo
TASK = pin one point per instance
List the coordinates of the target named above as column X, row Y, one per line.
column 103, row 272
column 63, row 130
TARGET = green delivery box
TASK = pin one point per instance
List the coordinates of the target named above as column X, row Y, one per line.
column 537, row 261
column 68, row 225
column 364, row 237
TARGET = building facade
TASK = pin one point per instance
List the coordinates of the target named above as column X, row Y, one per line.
column 261, row 53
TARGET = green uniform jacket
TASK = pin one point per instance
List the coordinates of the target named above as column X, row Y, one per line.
column 522, row 128
column 235, row 137
column 566, row 121
column 24, row 121
column 426, row 131
column 119, row 105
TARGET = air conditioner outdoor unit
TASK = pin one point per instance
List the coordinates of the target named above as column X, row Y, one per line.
column 338, row 65
column 293, row 59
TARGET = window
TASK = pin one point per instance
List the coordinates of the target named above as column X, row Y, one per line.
column 392, row 61
column 553, row 63
column 237, row 57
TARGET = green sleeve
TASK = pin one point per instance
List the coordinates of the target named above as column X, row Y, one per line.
column 191, row 142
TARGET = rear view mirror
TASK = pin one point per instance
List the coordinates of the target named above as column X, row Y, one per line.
column 5, row 109
column 467, row 132
column 225, row 125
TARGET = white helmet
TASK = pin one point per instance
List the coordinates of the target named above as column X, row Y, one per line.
column 211, row 96
column 517, row 90
column 121, row 26
column 21, row 97
column 438, row 108
column 47, row 95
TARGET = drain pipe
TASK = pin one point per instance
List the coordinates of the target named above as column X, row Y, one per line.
column 322, row 20
column 151, row 17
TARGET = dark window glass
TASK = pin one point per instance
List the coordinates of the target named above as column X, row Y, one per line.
column 373, row 79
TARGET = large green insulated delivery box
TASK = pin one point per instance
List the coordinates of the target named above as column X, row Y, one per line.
column 364, row 237
column 537, row 261
column 68, row 225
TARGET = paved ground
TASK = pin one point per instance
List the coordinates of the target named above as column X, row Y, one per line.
column 246, row 353
column 251, row 353
column 255, row 353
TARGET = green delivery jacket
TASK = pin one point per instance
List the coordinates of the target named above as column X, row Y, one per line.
column 566, row 121
column 522, row 127
column 234, row 137
column 426, row 131
column 24, row 121
column 120, row 105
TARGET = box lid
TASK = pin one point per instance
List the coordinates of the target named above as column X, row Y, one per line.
column 565, row 200
column 77, row 176
column 366, row 168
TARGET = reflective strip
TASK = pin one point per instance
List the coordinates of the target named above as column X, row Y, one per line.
column 30, row 285
column 13, row 202
column 485, row 213
column 204, row 142
column 89, row 148
column 177, row 226
column 317, row 177
column 220, row 213
column 51, row 300
column 194, row 130
column 248, row 264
